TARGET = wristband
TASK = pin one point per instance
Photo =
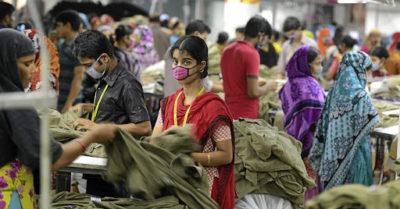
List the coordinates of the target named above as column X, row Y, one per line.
column 82, row 144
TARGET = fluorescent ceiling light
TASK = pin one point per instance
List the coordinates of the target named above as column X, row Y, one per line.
column 352, row 1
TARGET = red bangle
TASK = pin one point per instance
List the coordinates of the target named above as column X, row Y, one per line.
column 82, row 144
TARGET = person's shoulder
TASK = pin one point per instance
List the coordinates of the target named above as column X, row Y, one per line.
column 309, row 41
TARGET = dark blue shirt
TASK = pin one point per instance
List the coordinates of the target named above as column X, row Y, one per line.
column 67, row 64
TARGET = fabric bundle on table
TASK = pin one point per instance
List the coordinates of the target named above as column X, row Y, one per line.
column 61, row 125
column 392, row 89
column 150, row 172
column 64, row 200
column 356, row 196
column 61, row 128
column 268, row 161
column 387, row 120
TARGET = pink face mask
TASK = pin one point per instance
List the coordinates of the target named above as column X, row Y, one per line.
column 181, row 73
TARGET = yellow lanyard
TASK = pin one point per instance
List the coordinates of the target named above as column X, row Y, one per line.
column 98, row 103
column 187, row 111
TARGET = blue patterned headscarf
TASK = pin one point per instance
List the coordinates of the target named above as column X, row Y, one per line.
column 340, row 152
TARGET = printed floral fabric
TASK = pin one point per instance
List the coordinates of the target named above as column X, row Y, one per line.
column 17, row 177
column 340, row 150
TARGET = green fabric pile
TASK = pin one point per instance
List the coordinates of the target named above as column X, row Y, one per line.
column 150, row 172
column 393, row 84
column 214, row 59
column 61, row 128
column 268, row 161
column 65, row 200
column 387, row 120
column 61, row 125
column 358, row 197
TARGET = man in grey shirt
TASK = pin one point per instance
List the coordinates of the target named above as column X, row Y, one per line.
column 292, row 28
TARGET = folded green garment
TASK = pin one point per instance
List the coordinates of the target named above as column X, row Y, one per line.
column 358, row 196
column 150, row 172
column 268, row 161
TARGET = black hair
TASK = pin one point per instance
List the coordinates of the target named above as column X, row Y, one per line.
column 379, row 51
column 312, row 54
column 222, row 37
column 276, row 34
column 123, row 30
column 348, row 41
column 6, row 9
column 154, row 18
column 291, row 23
column 240, row 30
column 91, row 44
column 208, row 29
column 175, row 25
column 398, row 45
column 337, row 38
column 195, row 47
column 257, row 24
column 196, row 25
column 70, row 16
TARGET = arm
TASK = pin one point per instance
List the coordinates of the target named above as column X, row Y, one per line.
column 333, row 70
column 223, row 155
column 75, row 87
column 254, row 90
column 73, row 149
column 281, row 64
column 137, row 129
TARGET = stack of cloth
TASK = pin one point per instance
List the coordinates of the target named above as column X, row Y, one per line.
column 387, row 120
column 268, row 161
column 391, row 88
column 214, row 60
column 270, row 101
column 61, row 128
column 65, row 200
column 358, row 197
column 150, row 172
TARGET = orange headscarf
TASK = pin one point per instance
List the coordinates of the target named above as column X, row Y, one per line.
column 321, row 45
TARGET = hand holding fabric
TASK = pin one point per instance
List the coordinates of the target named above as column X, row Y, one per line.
column 84, row 124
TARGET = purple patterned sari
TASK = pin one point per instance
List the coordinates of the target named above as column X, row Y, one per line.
column 302, row 99
column 302, row 103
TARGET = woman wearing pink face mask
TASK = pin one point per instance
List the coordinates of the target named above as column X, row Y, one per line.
column 207, row 112
column 373, row 39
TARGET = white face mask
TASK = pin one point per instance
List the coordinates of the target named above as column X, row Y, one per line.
column 94, row 73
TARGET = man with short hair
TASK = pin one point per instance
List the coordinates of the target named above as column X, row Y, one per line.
column 240, row 64
column 161, row 38
column 118, row 100
column 292, row 29
column 6, row 11
column 71, row 71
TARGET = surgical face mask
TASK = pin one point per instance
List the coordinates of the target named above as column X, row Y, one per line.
column 294, row 37
column 319, row 72
column 94, row 73
column 259, row 45
column 327, row 41
column 181, row 73
column 375, row 67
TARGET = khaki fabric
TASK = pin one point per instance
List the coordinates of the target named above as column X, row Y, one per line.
column 61, row 125
column 61, row 128
column 358, row 196
column 150, row 172
column 214, row 60
column 268, row 161
column 64, row 200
